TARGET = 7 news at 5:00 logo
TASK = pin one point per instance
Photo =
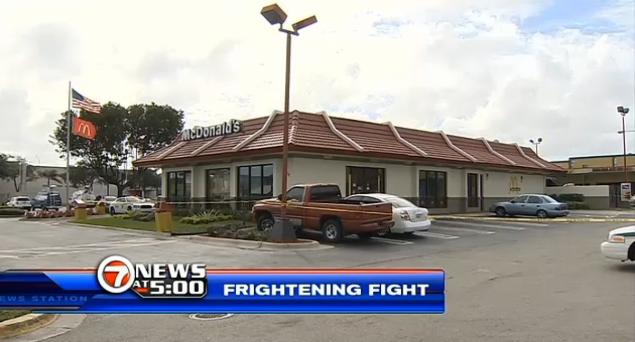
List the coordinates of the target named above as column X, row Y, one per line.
column 116, row 274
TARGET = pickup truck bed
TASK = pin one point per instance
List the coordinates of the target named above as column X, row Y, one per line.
column 320, row 207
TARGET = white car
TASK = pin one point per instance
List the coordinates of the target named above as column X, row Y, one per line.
column 130, row 203
column 620, row 244
column 20, row 202
column 408, row 217
column 106, row 200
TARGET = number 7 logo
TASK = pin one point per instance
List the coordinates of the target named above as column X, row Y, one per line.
column 116, row 274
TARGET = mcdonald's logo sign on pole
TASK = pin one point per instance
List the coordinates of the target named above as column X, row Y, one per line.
column 84, row 128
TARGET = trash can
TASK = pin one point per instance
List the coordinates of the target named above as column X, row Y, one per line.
column 100, row 209
column 81, row 214
column 163, row 221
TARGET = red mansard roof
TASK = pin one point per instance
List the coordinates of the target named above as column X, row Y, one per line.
column 320, row 133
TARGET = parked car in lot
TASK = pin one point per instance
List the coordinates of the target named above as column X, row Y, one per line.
column 46, row 200
column 321, row 207
column 84, row 197
column 532, row 205
column 21, row 202
column 125, row 204
column 106, row 200
column 408, row 217
column 620, row 244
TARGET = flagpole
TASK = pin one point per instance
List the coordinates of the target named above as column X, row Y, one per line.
column 68, row 146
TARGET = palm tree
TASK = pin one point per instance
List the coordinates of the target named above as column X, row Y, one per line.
column 51, row 175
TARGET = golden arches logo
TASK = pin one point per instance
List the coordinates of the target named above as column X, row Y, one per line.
column 84, row 128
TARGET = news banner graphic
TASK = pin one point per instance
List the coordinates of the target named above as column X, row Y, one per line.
column 120, row 286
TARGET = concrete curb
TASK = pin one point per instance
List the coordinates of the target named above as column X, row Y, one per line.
column 302, row 244
column 535, row 220
column 128, row 230
column 63, row 324
column 24, row 324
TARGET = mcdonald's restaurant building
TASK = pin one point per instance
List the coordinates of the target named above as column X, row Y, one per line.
column 242, row 160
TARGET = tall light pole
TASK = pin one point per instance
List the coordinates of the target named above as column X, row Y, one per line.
column 282, row 230
column 536, row 143
column 623, row 111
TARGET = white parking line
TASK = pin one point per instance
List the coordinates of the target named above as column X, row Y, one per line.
column 436, row 235
column 469, row 224
column 391, row 241
column 525, row 224
column 467, row 230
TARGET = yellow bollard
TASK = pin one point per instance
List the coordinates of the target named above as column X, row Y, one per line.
column 80, row 214
column 163, row 221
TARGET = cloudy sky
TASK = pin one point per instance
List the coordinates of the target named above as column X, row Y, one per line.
column 501, row 69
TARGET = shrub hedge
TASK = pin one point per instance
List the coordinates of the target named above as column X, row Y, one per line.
column 11, row 212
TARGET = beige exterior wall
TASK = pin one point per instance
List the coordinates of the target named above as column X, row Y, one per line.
column 505, row 184
column 199, row 172
column 401, row 179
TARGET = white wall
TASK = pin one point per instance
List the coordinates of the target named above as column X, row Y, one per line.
column 506, row 184
column 31, row 188
column 586, row 190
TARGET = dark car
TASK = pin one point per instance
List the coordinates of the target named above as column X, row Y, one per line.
column 532, row 205
column 46, row 200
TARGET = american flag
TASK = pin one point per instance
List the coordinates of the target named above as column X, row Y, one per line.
column 80, row 101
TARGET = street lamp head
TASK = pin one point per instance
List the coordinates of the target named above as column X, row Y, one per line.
column 622, row 110
column 274, row 14
column 531, row 141
column 539, row 140
column 304, row 23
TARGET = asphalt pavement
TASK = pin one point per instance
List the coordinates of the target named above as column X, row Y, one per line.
column 506, row 281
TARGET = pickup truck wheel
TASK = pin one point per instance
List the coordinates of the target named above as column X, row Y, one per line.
column 265, row 223
column 332, row 230
column 112, row 211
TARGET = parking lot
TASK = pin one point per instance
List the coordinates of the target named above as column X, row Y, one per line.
column 506, row 281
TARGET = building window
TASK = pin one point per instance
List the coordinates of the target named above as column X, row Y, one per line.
column 433, row 189
column 217, row 184
column 363, row 180
column 255, row 181
column 472, row 190
column 179, row 186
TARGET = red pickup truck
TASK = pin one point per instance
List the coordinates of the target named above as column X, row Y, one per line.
column 321, row 207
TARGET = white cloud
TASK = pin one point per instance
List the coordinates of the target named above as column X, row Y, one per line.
column 452, row 65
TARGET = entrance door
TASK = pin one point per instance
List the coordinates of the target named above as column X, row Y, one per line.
column 472, row 191
column 481, row 193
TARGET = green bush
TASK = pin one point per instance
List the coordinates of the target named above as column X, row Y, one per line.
column 566, row 198
column 139, row 216
column 11, row 212
column 206, row 217
column 577, row 205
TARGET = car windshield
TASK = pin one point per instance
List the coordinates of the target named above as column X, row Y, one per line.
column 549, row 199
column 398, row 202
column 22, row 199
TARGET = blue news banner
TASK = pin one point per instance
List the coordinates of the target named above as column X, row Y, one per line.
column 237, row 291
